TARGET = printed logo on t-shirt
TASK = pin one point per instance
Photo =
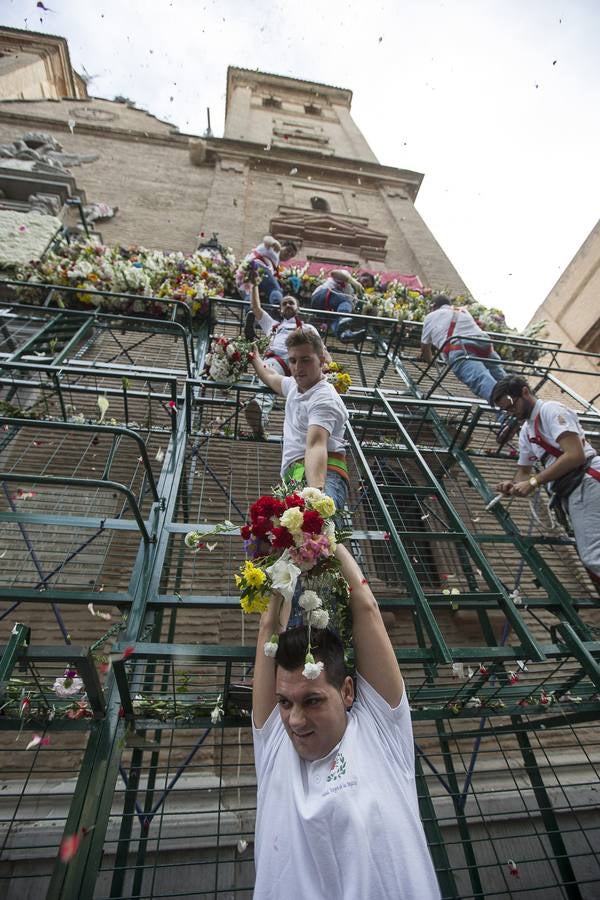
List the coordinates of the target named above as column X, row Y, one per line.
column 337, row 768
column 338, row 779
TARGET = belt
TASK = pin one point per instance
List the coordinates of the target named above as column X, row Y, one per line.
column 336, row 463
column 270, row 355
column 474, row 349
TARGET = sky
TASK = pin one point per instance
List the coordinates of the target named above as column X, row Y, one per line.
column 495, row 101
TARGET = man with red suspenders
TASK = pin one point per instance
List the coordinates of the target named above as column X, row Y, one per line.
column 257, row 411
column 552, row 438
column 457, row 335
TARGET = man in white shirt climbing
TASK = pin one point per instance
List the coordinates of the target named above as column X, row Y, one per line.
column 337, row 813
column 456, row 334
column 258, row 409
column 314, row 424
column 552, row 440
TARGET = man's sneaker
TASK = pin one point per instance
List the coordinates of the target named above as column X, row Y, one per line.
column 353, row 337
column 253, row 414
column 507, row 431
column 249, row 332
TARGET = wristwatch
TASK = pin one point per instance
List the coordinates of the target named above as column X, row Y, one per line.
column 534, row 482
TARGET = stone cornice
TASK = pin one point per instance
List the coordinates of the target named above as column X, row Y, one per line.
column 283, row 161
column 105, row 131
column 50, row 47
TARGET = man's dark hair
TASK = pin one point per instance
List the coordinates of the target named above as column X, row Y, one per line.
column 440, row 300
column 290, row 248
column 509, row 386
column 326, row 647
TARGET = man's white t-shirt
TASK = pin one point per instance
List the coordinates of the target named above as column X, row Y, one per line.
column 267, row 256
column 555, row 420
column 437, row 323
column 342, row 287
column 320, row 405
column 279, row 337
column 345, row 827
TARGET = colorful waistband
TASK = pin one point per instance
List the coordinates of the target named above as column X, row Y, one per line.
column 336, row 462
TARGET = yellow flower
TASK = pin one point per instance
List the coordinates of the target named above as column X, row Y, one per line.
column 253, row 575
column 256, row 604
column 238, row 580
column 325, row 507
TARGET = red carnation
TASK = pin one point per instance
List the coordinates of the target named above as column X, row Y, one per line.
column 261, row 526
column 282, row 539
column 313, row 521
column 246, row 532
column 266, row 506
column 294, row 500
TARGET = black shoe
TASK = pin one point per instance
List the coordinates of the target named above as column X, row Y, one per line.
column 507, row 431
column 353, row 337
column 249, row 332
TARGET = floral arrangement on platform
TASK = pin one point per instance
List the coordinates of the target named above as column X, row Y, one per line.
column 338, row 376
column 153, row 274
column 213, row 272
column 228, row 358
column 292, row 534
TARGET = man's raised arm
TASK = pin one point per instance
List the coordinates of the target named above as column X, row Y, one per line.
column 267, row 375
column 273, row 621
column 374, row 654
column 255, row 301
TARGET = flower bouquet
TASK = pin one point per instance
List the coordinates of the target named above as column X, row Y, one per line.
column 228, row 358
column 292, row 534
column 248, row 273
column 338, row 376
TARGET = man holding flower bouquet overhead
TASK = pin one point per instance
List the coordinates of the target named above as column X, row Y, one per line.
column 337, row 809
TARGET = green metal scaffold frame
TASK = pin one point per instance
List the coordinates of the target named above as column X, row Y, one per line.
column 495, row 624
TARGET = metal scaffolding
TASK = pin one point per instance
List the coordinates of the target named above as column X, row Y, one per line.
column 112, row 446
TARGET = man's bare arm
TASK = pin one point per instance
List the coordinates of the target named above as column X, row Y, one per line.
column 255, row 300
column 426, row 352
column 374, row 654
column 267, row 375
column 346, row 277
column 572, row 456
column 315, row 456
column 273, row 621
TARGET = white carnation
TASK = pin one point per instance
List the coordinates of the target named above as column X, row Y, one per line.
column 319, row 618
column 284, row 575
column 312, row 494
column 312, row 670
column 310, row 601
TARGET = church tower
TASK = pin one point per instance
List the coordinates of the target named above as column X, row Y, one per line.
column 292, row 161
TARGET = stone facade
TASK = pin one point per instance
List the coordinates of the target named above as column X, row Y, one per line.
column 571, row 312
column 291, row 152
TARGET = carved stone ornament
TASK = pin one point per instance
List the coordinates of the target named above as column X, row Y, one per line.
column 44, row 151
column 91, row 114
column 329, row 230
